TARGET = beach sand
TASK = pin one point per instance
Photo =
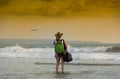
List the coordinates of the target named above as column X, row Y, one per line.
column 31, row 68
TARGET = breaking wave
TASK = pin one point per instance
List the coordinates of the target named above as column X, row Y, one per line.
column 78, row 53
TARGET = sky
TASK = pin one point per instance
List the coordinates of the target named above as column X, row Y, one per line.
column 81, row 20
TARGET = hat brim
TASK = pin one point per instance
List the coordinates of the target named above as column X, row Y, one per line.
column 61, row 34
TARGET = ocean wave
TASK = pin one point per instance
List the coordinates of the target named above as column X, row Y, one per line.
column 78, row 53
column 87, row 49
column 18, row 51
column 113, row 49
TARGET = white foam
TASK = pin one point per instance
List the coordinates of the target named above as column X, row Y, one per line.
column 87, row 49
column 18, row 51
column 78, row 53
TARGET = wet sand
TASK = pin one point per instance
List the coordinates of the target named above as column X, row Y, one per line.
column 29, row 68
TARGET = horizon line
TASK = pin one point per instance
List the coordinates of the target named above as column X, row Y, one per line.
column 53, row 39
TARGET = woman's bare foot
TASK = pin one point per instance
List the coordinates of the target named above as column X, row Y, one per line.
column 57, row 72
column 62, row 72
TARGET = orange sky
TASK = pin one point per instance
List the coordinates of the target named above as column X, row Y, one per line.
column 85, row 29
column 85, row 20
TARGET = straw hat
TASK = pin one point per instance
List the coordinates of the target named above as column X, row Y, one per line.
column 59, row 34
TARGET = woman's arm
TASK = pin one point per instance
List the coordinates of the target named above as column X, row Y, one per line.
column 65, row 44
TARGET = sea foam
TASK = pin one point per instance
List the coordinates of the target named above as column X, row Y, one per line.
column 78, row 53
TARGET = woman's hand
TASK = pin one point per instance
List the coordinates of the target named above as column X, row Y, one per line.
column 55, row 55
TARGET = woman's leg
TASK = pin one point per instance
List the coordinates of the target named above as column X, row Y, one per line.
column 57, row 63
column 62, row 65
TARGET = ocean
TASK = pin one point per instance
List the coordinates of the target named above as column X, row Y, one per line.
column 34, row 59
column 37, row 48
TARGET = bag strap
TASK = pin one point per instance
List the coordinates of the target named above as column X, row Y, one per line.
column 55, row 41
column 65, row 46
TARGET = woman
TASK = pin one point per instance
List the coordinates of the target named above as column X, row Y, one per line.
column 60, row 47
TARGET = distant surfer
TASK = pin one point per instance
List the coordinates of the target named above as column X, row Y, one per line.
column 59, row 46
